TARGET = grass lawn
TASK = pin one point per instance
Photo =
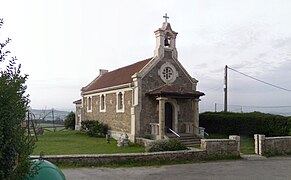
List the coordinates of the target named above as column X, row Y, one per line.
column 247, row 144
column 76, row 142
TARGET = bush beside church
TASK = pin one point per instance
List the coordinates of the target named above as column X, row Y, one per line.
column 245, row 123
column 94, row 128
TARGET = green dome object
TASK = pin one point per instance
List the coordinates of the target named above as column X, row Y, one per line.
column 47, row 171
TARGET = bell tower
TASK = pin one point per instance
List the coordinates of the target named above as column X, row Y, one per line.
column 165, row 39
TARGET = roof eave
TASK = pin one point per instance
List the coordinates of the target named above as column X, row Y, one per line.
column 127, row 85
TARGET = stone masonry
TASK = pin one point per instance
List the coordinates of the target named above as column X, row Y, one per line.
column 117, row 121
column 143, row 85
column 209, row 149
column 272, row 145
column 222, row 147
column 152, row 81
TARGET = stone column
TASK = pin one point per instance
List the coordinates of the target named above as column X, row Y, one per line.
column 237, row 140
column 132, row 130
column 136, row 105
column 161, row 117
column 196, row 116
column 262, row 144
column 259, row 144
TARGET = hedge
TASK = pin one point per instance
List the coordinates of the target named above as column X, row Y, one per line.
column 245, row 123
column 166, row 145
column 94, row 128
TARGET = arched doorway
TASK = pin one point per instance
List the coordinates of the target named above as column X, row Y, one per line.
column 168, row 116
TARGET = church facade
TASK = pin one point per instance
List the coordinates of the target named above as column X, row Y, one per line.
column 152, row 97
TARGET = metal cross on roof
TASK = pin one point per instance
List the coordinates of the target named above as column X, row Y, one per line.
column 166, row 17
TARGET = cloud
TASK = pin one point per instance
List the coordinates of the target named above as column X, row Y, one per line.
column 73, row 39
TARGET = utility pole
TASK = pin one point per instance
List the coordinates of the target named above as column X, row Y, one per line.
column 53, row 119
column 215, row 107
column 225, row 89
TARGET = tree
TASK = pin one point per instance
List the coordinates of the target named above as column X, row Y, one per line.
column 15, row 144
column 70, row 121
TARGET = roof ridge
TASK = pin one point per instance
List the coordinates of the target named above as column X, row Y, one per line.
column 122, row 75
column 123, row 67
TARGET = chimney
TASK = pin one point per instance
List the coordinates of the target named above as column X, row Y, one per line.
column 102, row 72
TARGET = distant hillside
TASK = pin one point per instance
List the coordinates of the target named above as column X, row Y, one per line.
column 48, row 114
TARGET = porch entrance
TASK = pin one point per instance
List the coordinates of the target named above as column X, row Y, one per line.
column 168, row 116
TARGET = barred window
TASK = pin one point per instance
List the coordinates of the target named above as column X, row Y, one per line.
column 168, row 73
column 120, row 101
column 102, row 102
column 89, row 104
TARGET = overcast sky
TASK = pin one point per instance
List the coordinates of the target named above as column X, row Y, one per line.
column 61, row 44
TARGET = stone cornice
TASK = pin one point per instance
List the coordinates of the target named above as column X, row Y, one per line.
column 107, row 89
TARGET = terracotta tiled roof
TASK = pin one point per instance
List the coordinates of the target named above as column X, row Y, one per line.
column 79, row 101
column 168, row 90
column 117, row 77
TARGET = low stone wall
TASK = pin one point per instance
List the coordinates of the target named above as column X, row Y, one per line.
column 99, row 159
column 144, row 142
column 272, row 145
column 222, row 147
column 209, row 149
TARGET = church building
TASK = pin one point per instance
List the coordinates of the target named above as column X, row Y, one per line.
column 154, row 97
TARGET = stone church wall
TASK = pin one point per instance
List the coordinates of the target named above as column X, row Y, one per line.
column 185, row 114
column 78, row 116
column 149, row 110
column 117, row 121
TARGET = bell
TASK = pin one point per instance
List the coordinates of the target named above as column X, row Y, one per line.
column 167, row 42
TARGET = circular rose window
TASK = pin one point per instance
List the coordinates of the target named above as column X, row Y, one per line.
column 168, row 73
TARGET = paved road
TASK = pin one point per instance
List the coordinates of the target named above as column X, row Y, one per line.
column 275, row 168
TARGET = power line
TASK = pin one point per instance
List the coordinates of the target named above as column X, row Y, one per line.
column 264, row 82
column 277, row 109
column 213, row 88
column 249, row 106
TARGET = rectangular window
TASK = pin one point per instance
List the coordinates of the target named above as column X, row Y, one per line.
column 89, row 104
column 120, row 102
column 102, row 103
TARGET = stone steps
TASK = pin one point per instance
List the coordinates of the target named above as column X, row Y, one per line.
column 188, row 140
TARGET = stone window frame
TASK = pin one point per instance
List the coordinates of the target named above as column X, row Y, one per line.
column 89, row 103
column 102, row 102
column 120, row 101
column 164, row 67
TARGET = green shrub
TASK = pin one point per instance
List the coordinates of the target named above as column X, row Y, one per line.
column 15, row 145
column 94, row 128
column 166, row 145
column 289, row 125
column 245, row 123
column 70, row 121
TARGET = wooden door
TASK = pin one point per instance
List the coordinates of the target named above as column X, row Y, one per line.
column 168, row 116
